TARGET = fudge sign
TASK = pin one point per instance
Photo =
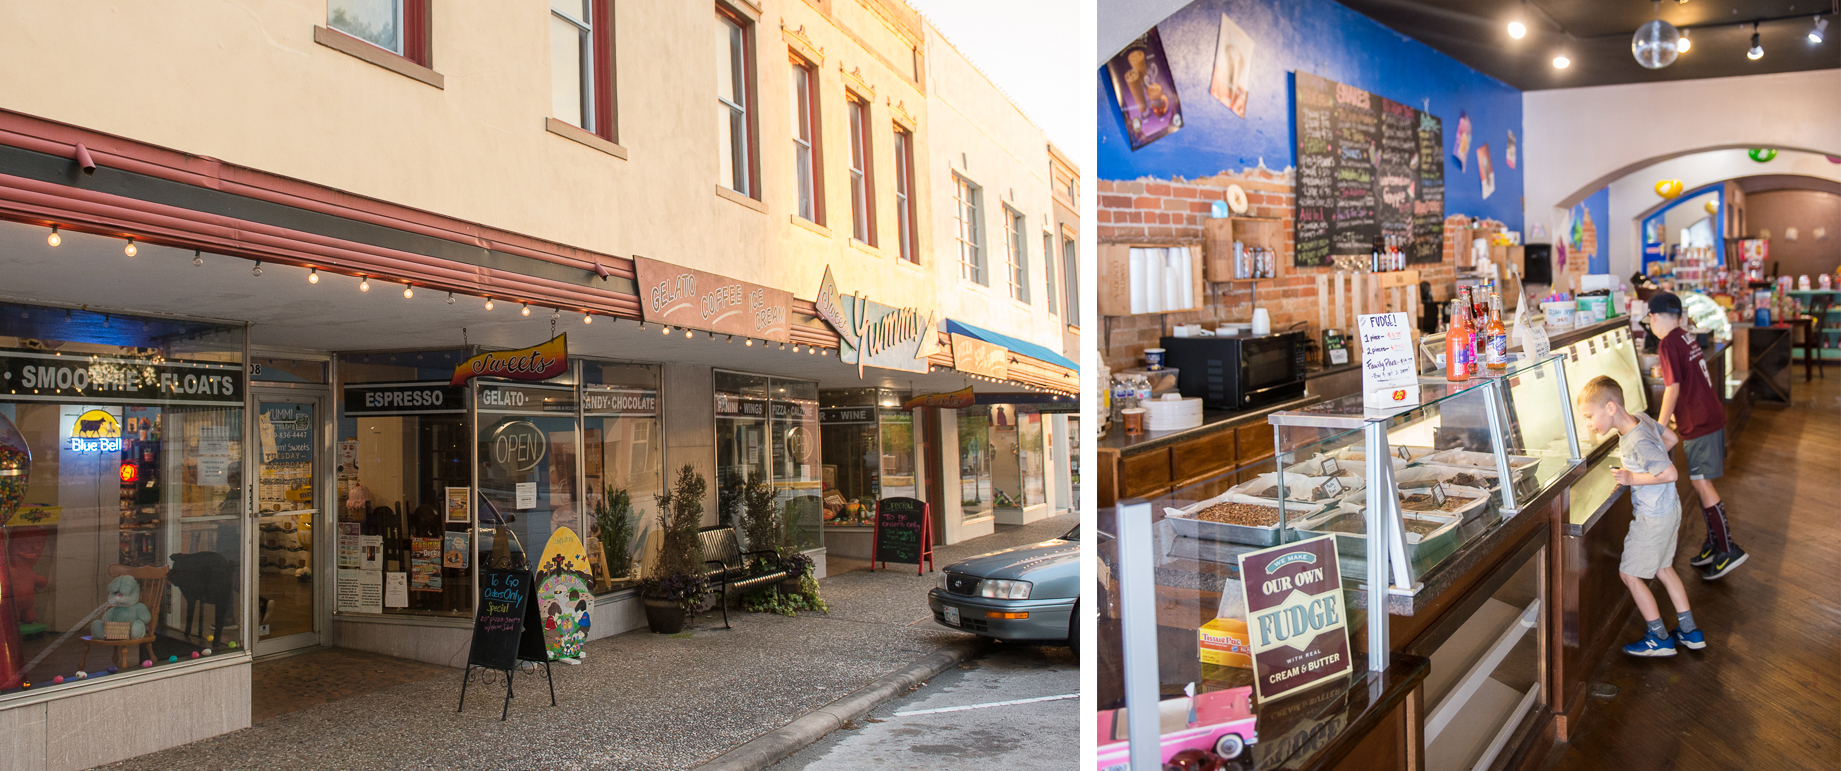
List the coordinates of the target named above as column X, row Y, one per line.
column 693, row 299
column 1295, row 618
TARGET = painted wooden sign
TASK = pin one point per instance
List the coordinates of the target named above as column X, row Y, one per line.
column 693, row 299
column 876, row 335
column 563, row 596
column 1295, row 618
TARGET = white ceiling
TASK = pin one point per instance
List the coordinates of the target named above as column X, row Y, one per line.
column 333, row 315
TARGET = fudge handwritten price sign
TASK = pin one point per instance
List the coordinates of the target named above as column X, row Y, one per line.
column 1295, row 616
column 1390, row 376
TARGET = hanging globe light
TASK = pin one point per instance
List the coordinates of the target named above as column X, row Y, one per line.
column 1656, row 44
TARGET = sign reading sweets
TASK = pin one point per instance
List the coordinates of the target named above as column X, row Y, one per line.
column 970, row 354
column 1390, row 375
column 538, row 362
column 693, row 299
column 874, row 334
column 950, row 400
column 1295, row 616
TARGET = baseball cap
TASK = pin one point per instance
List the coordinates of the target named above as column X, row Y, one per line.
column 1665, row 302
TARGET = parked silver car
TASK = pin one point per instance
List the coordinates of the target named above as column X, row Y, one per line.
column 1026, row 593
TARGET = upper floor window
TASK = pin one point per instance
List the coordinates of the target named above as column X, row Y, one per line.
column 397, row 26
column 581, row 66
column 862, row 187
column 1074, row 192
column 1070, row 273
column 1015, row 230
column 1048, row 269
column 733, row 104
column 965, row 214
column 904, row 194
column 805, row 143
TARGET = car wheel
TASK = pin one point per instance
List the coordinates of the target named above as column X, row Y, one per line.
column 1228, row 747
column 1074, row 630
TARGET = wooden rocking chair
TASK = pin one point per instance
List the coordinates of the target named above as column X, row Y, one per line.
column 153, row 595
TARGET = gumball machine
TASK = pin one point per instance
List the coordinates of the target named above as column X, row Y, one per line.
column 15, row 468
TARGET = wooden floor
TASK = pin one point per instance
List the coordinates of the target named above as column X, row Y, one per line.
column 1766, row 692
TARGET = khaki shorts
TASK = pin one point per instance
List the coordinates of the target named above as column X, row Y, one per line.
column 1650, row 545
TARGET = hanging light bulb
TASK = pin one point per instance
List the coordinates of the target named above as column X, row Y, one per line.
column 54, row 239
column 313, row 276
column 587, row 318
column 198, row 259
column 131, row 251
column 409, row 291
column 1685, row 44
column 450, row 298
column 526, row 310
column 256, row 271
column 1757, row 51
column 750, row 342
column 795, row 348
column 364, row 284
column 686, row 334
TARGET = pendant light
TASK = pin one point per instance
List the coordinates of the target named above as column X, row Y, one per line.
column 54, row 239
column 313, row 276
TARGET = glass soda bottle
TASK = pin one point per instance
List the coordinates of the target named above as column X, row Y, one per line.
column 1457, row 345
column 1496, row 337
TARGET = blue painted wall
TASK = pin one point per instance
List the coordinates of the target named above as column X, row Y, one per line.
column 1331, row 41
column 1599, row 204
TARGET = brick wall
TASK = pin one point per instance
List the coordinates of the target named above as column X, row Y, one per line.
column 1156, row 212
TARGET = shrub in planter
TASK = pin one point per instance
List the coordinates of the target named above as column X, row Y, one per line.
column 676, row 579
column 760, row 521
column 617, row 523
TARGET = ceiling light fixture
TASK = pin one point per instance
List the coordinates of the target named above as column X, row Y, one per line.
column 198, row 258
column 556, row 313
column 313, row 275
column 409, row 291
column 1561, row 62
column 1517, row 30
column 1821, row 25
column 1757, row 51
column 364, row 283
column 256, row 271
column 488, row 303
column 664, row 330
column 450, row 298
column 526, row 310
column 54, row 239
column 686, row 334
column 750, row 342
column 131, row 251
column 1654, row 44
column 1685, row 44
column 587, row 318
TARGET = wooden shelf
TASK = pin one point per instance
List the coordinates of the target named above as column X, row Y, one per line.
column 1220, row 234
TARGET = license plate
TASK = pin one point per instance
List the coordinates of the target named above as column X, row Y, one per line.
column 952, row 616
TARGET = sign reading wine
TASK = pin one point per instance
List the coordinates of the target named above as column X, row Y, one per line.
column 1366, row 167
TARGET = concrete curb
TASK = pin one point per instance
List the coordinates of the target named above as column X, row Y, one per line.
column 774, row 746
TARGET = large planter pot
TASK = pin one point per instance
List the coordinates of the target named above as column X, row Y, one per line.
column 790, row 585
column 663, row 616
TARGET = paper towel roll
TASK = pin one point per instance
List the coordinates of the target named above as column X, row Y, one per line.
column 1153, row 280
column 1172, row 280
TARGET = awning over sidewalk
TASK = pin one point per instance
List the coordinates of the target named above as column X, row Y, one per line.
column 1023, row 347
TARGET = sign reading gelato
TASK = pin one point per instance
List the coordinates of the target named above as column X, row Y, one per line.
column 693, row 299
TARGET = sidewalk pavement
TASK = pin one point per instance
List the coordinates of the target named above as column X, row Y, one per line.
column 639, row 700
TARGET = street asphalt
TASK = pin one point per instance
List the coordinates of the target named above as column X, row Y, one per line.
column 639, row 701
column 1012, row 707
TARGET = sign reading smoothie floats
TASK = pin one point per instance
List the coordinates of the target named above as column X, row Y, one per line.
column 693, row 299
column 1295, row 616
column 876, row 335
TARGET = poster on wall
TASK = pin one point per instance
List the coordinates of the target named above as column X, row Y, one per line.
column 1366, row 167
column 458, row 504
column 1233, row 73
column 1486, row 171
column 1146, row 90
column 1508, row 151
column 1462, row 149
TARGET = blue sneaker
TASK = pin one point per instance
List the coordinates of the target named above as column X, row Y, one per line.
column 1652, row 645
column 1694, row 639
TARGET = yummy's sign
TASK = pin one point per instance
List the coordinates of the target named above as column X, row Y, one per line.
column 876, row 335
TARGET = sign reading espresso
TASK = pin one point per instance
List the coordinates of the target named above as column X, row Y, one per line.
column 422, row 398
column 693, row 299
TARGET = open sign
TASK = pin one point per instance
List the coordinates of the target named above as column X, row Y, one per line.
column 518, row 446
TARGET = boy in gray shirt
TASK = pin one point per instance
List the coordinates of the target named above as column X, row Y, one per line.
column 1649, row 549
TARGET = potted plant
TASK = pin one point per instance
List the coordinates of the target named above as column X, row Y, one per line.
column 760, row 521
column 676, row 583
column 617, row 524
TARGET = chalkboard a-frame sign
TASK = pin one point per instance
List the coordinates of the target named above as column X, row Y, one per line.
column 904, row 534
column 506, row 630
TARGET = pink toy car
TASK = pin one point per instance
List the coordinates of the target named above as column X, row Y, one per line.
column 1221, row 722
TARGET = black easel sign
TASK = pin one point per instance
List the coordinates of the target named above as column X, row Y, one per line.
column 904, row 534
column 506, row 630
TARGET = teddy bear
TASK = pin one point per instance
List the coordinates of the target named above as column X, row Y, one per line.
column 25, row 548
column 124, row 605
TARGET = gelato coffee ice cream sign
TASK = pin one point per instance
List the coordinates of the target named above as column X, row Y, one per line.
column 693, row 299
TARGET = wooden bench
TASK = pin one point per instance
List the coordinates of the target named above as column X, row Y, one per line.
column 726, row 565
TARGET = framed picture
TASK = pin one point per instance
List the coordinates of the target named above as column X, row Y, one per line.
column 1145, row 90
column 458, row 504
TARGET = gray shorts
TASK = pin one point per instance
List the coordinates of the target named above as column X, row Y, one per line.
column 1706, row 455
column 1650, row 545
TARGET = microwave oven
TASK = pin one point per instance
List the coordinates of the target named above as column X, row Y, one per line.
column 1238, row 372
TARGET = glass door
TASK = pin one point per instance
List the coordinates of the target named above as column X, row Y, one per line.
column 287, row 450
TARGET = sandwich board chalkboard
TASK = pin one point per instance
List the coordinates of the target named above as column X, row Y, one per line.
column 904, row 534
column 506, row 630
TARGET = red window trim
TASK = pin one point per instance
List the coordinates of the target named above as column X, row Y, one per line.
column 752, row 108
column 603, row 39
column 861, row 105
column 906, row 159
column 417, row 46
column 812, row 99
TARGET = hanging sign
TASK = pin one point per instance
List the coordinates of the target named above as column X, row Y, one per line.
column 1390, row 376
column 951, row 400
column 423, row 398
column 1295, row 618
column 970, row 354
column 876, row 335
column 693, row 299
column 36, row 376
column 538, row 362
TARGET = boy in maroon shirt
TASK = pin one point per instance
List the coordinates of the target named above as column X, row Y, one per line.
column 1690, row 404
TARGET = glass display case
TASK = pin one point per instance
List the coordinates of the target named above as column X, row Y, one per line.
column 1612, row 353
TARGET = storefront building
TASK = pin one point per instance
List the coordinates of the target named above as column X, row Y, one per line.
column 297, row 382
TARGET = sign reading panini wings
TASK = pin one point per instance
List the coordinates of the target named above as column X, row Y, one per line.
column 693, row 299
column 876, row 335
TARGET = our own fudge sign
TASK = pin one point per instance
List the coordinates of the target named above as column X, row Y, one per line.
column 1295, row 618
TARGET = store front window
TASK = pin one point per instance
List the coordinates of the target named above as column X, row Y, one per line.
column 769, row 426
column 975, row 492
column 622, row 469
column 121, row 471
column 1032, row 456
column 404, row 542
column 868, row 453
column 528, row 451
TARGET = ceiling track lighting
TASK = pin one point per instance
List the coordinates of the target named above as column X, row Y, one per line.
column 1685, row 44
column 1756, row 52
column 54, row 239
column 1821, row 27
column 256, row 271
column 313, row 276
column 130, row 250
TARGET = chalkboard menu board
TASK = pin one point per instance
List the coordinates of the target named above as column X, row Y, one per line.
column 507, row 627
column 1366, row 167
column 904, row 532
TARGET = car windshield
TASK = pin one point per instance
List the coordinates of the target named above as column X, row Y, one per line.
column 1073, row 535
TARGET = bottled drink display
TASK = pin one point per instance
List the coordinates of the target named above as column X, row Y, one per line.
column 1458, row 352
column 1496, row 337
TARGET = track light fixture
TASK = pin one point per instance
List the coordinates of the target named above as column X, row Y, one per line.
column 1821, row 26
column 313, row 275
column 54, row 239
column 1756, row 52
column 1684, row 44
